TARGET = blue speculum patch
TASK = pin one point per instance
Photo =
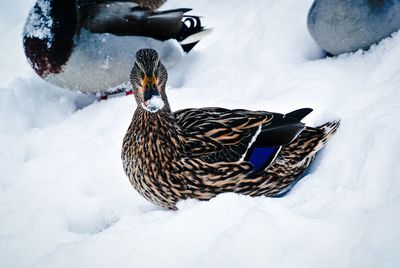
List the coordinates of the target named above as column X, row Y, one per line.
column 261, row 157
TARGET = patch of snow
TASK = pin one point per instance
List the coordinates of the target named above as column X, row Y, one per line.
column 66, row 202
column 39, row 23
column 154, row 104
column 110, row 59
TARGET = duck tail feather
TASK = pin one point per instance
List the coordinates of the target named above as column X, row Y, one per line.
column 300, row 113
column 192, row 32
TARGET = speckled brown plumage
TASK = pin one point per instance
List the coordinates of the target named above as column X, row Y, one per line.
column 200, row 153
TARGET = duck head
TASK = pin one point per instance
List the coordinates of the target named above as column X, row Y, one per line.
column 148, row 79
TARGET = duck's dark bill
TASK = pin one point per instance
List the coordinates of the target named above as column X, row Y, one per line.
column 149, row 87
column 149, row 92
column 151, row 97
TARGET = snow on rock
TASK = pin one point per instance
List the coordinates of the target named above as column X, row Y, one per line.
column 65, row 201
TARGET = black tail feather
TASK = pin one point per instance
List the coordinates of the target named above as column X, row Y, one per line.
column 190, row 25
column 188, row 47
column 128, row 19
column 181, row 10
column 300, row 113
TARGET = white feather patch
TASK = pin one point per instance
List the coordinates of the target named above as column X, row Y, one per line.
column 251, row 142
column 195, row 37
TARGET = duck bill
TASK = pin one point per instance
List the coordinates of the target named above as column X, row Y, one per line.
column 152, row 101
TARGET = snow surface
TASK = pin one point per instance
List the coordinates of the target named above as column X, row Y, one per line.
column 65, row 201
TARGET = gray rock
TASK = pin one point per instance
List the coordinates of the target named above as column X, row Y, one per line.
column 341, row 26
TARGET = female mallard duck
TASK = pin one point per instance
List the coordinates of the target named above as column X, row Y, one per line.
column 200, row 153
column 87, row 44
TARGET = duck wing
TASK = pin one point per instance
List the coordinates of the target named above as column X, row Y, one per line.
column 222, row 135
column 127, row 18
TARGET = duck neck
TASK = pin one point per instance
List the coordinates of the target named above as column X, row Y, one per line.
column 156, row 136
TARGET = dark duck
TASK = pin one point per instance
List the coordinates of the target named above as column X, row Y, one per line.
column 200, row 153
column 87, row 45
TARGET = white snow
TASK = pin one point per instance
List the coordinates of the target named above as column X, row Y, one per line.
column 12, row 58
column 110, row 60
column 40, row 22
column 154, row 104
column 66, row 202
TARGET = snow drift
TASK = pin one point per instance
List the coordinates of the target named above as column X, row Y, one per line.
column 65, row 201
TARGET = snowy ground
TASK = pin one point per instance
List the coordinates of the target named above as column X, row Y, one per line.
column 65, row 201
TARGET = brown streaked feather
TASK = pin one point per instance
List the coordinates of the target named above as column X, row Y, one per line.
column 231, row 130
column 179, row 175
